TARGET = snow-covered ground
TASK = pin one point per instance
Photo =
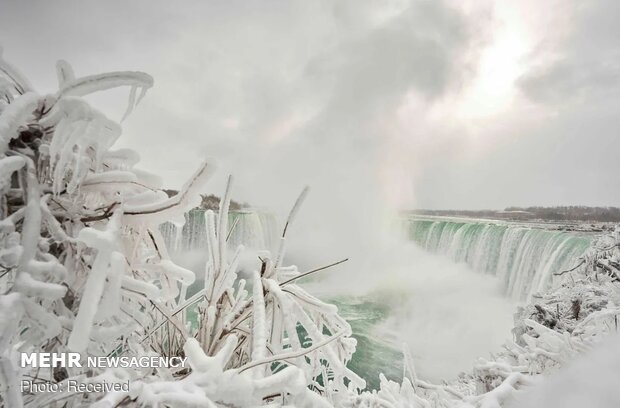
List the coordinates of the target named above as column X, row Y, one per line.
column 85, row 269
column 591, row 381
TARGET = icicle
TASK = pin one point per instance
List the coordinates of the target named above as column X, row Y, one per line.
column 157, row 213
column 222, row 229
column 8, row 166
column 16, row 114
column 105, row 242
column 32, row 217
column 227, row 278
column 21, row 83
column 289, row 319
column 64, row 71
column 53, row 225
column 95, row 83
column 131, row 103
column 6, row 93
column 100, row 82
column 111, row 297
column 259, row 330
column 212, row 244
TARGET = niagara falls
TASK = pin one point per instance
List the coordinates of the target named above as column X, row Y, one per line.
column 309, row 204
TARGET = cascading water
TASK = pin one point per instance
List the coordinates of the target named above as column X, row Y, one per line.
column 256, row 230
column 523, row 258
column 253, row 229
column 432, row 293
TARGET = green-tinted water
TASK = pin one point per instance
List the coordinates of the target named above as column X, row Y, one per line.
column 523, row 258
column 374, row 354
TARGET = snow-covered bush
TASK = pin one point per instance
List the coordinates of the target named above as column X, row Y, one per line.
column 85, row 269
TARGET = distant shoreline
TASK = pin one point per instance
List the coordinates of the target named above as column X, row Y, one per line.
column 563, row 214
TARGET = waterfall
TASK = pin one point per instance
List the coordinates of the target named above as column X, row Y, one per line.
column 523, row 258
column 256, row 230
column 253, row 229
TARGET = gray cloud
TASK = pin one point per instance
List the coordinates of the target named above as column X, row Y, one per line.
column 285, row 94
column 584, row 62
column 555, row 146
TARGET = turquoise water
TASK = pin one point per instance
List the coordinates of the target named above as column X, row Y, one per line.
column 519, row 259
column 374, row 354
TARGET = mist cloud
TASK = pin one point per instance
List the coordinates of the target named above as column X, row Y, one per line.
column 344, row 96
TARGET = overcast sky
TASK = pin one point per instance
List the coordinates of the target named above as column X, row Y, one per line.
column 480, row 104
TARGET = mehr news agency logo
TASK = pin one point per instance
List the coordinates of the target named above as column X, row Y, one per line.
column 72, row 359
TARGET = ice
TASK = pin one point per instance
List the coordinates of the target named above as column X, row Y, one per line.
column 15, row 115
column 84, row 267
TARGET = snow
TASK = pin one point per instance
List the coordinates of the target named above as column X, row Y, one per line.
column 71, row 86
column 79, row 130
column 14, row 116
column 590, row 381
column 157, row 212
column 259, row 329
column 85, row 268
column 24, row 283
column 183, row 275
column 9, row 165
column 105, row 243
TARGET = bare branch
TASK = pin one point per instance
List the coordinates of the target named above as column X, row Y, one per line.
column 313, row 271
